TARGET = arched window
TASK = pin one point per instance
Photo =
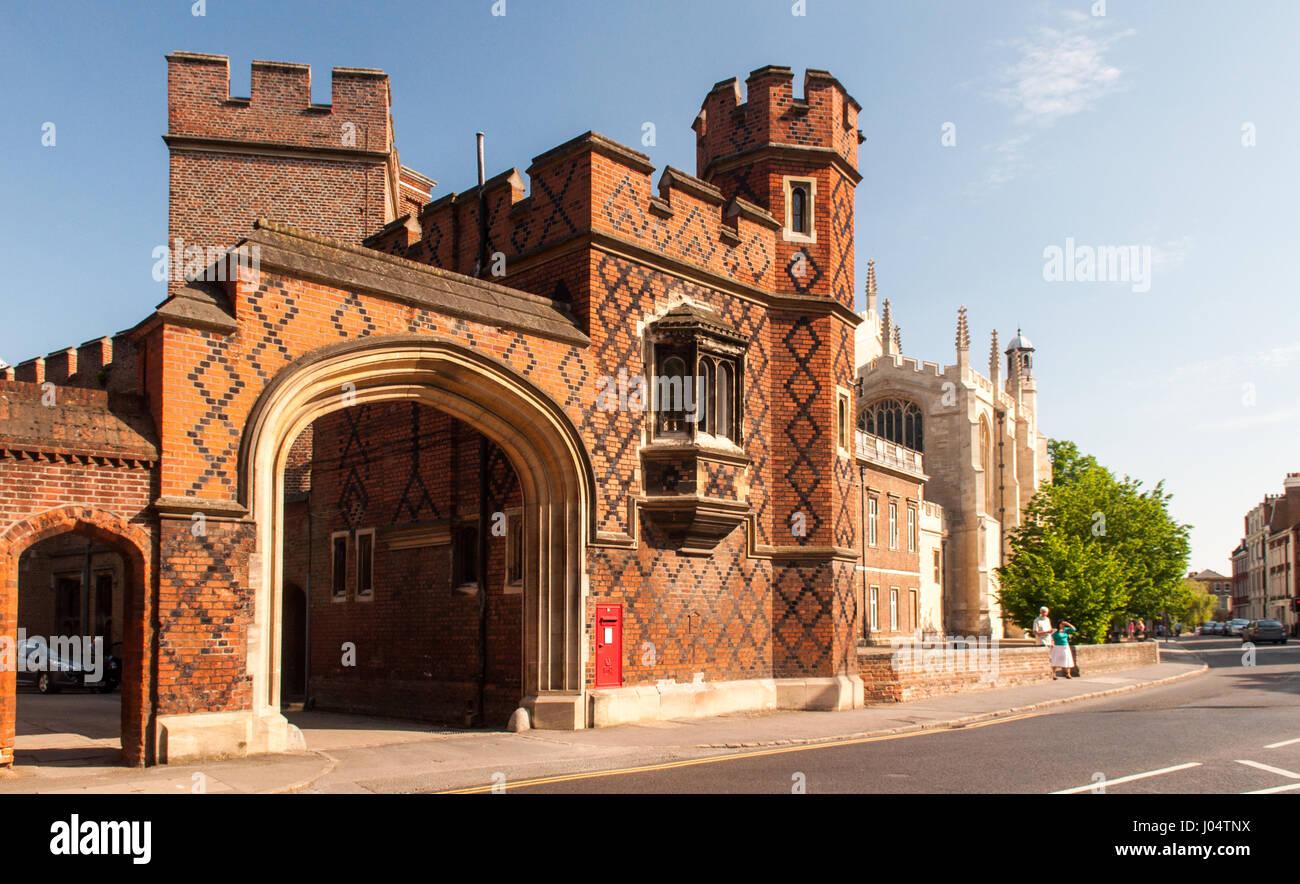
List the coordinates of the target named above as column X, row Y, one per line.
column 708, row 397
column 896, row 420
column 799, row 210
column 726, row 384
column 671, row 394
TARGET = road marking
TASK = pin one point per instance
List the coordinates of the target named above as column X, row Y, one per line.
column 1277, row 770
column 1128, row 779
column 1290, row 787
column 714, row 759
column 1281, row 744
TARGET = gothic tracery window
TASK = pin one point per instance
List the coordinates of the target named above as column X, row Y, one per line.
column 896, row 420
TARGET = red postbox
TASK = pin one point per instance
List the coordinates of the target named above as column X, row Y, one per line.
column 609, row 646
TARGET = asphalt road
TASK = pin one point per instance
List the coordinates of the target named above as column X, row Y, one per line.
column 1234, row 729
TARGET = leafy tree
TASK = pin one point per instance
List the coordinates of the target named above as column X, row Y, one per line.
column 1092, row 548
column 1193, row 604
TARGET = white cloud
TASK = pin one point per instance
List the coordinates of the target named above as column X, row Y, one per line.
column 1230, row 368
column 1061, row 71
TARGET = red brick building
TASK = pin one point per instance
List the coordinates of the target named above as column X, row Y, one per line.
column 568, row 445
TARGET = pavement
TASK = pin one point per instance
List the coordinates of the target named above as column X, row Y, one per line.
column 361, row 754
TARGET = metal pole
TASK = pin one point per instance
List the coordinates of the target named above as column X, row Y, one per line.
column 482, row 211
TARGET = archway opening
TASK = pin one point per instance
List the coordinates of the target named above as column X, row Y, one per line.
column 74, row 583
column 536, row 437
column 71, row 593
column 402, row 562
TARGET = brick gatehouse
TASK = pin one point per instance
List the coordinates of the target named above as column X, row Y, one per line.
column 387, row 455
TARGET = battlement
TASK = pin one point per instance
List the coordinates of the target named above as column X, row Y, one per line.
column 770, row 114
column 278, row 110
column 898, row 362
column 102, row 363
column 594, row 185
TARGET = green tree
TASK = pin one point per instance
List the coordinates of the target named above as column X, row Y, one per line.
column 1193, row 604
column 1093, row 548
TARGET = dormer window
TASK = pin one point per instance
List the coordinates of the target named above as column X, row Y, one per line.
column 800, row 201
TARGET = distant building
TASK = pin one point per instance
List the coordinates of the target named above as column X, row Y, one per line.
column 983, row 451
column 1241, row 578
column 1219, row 586
column 901, row 544
column 1264, row 563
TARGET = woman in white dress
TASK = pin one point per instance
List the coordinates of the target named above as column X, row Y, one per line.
column 1060, row 657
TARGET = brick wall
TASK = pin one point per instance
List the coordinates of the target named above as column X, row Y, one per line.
column 330, row 169
column 911, row 672
column 395, row 468
column 591, row 235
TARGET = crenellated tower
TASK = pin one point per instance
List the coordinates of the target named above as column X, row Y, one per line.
column 330, row 169
column 797, row 158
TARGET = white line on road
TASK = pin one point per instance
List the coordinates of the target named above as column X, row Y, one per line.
column 1277, row 770
column 1242, row 649
column 1290, row 787
column 1128, row 779
column 1281, row 744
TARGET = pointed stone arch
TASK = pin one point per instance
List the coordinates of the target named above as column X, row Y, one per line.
column 534, row 432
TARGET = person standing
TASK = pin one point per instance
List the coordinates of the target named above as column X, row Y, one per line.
column 1043, row 628
column 1060, row 657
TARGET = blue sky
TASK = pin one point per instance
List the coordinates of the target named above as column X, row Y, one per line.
column 1122, row 129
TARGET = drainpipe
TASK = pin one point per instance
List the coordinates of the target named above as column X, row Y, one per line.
column 85, row 590
column 862, row 479
column 1002, row 489
column 306, row 642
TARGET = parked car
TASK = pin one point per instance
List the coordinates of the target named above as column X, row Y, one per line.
column 1264, row 631
column 1234, row 627
column 54, row 673
column 1206, row 628
column 1216, row 628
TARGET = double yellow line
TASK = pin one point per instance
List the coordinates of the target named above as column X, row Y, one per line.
column 735, row 756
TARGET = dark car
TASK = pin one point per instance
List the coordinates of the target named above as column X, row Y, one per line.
column 49, row 673
column 1264, row 631
column 1234, row 627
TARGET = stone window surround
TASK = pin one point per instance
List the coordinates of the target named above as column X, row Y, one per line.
column 788, row 233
